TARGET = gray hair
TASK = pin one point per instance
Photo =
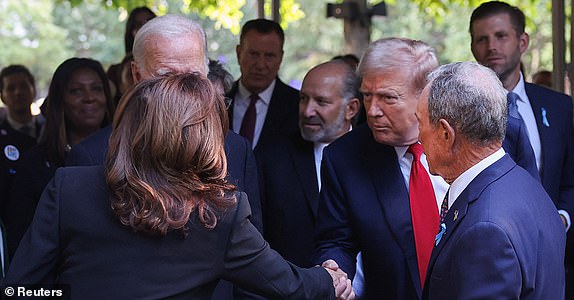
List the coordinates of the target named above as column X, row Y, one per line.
column 471, row 98
column 386, row 55
column 351, row 81
column 217, row 73
column 171, row 27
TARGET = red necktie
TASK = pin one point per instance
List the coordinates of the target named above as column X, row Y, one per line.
column 424, row 210
column 248, row 123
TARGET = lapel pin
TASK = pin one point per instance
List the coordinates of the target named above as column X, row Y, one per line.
column 544, row 117
column 455, row 215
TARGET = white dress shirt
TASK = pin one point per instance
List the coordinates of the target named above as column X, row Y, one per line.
column 440, row 186
column 527, row 114
column 240, row 104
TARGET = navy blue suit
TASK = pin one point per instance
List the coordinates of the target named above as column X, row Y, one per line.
column 504, row 240
column 364, row 205
column 517, row 145
column 241, row 166
column 557, row 142
column 282, row 116
column 289, row 197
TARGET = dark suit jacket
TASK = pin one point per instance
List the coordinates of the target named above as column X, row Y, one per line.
column 34, row 173
column 557, row 142
column 282, row 115
column 506, row 241
column 241, row 165
column 364, row 205
column 75, row 239
column 289, row 197
column 13, row 144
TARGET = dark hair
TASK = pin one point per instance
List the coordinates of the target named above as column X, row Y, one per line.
column 131, row 25
column 262, row 26
column 55, row 137
column 15, row 69
column 217, row 73
column 492, row 8
column 166, row 155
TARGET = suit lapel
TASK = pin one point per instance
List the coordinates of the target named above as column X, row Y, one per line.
column 458, row 211
column 392, row 195
column 303, row 158
column 275, row 113
column 535, row 97
column 232, row 94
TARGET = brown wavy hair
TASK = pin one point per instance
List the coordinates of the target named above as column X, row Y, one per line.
column 166, row 156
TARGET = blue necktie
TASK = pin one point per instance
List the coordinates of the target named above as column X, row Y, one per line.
column 516, row 142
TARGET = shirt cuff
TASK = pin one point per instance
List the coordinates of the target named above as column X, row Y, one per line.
column 567, row 217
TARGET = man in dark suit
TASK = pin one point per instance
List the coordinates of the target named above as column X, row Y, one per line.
column 289, row 168
column 500, row 235
column 498, row 42
column 263, row 107
column 155, row 53
column 17, row 91
column 367, row 200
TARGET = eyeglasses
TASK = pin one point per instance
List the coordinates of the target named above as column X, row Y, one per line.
column 227, row 101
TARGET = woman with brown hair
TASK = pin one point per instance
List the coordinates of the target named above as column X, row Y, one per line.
column 159, row 220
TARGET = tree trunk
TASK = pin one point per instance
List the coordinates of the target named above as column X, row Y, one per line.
column 358, row 30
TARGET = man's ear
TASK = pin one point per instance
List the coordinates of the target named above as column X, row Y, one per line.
column 352, row 109
column 447, row 133
column 136, row 76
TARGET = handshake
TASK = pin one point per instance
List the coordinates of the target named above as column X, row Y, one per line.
column 342, row 284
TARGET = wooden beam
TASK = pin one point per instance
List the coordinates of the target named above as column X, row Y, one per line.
column 559, row 45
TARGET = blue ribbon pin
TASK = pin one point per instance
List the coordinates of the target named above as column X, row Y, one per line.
column 544, row 118
column 440, row 234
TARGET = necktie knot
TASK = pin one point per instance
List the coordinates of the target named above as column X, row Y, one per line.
column 254, row 97
column 416, row 150
column 512, row 99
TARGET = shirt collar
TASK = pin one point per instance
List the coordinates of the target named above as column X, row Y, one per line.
column 17, row 126
column 462, row 181
column 264, row 96
column 520, row 90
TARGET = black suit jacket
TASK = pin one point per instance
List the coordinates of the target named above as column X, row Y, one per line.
column 241, row 165
column 289, row 197
column 13, row 144
column 282, row 115
column 75, row 239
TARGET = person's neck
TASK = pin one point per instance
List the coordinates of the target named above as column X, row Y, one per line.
column 21, row 117
column 469, row 154
column 511, row 81
column 76, row 136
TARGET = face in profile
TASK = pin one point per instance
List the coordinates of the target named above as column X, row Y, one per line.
column 428, row 135
column 84, row 101
column 495, row 44
column 18, row 92
column 390, row 102
column 259, row 56
column 322, row 115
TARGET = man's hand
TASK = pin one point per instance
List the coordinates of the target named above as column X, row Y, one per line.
column 342, row 284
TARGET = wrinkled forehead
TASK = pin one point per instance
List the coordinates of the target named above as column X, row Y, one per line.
column 163, row 56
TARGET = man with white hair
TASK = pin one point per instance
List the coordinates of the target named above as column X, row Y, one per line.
column 175, row 44
column 500, row 236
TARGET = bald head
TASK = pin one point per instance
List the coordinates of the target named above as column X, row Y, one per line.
column 329, row 101
column 169, row 44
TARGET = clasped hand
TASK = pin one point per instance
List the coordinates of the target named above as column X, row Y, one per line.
column 342, row 284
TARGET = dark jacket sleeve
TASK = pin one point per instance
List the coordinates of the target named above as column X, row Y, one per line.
column 35, row 262
column 253, row 265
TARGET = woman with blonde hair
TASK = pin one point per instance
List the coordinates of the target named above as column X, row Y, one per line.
column 159, row 220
